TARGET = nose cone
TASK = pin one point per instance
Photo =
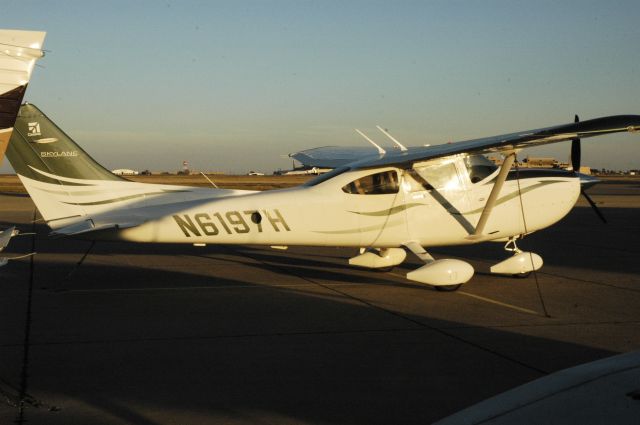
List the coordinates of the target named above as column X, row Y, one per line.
column 586, row 181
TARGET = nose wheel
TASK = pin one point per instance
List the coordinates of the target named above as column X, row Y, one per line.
column 521, row 263
column 448, row 288
column 512, row 246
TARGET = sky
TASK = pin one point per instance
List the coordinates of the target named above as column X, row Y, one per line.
column 236, row 85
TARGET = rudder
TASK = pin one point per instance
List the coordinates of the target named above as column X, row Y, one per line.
column 40, row 150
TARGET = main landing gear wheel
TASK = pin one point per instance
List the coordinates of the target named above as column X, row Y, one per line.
column 447, row 288
column 384, row 269
column 521, row 275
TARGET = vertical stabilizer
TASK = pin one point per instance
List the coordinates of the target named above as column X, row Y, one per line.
column 69, row 187
column 42, row 151
column 61, row 178
column 19, row 51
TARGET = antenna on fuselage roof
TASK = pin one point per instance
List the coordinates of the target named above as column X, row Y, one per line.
column 380, row 150
column 208, row 179
column 386, row 133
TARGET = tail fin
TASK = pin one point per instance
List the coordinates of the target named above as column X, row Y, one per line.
column 74, row 193
column 63, row 180
column 71, row 190
column 41, row 151
column 19, row 51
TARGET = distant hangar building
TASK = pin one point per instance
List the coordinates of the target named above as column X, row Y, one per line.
column 125, row 172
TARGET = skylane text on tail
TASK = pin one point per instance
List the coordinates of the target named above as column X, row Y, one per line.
column 384, row 204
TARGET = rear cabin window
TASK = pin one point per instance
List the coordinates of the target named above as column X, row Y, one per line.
column 326, row 176
column 374, row 184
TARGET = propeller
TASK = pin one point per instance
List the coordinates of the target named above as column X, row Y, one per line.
column 575, row 163
column 575, row 150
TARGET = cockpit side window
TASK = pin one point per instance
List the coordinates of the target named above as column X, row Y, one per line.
column 479, row 167
column 383, row 183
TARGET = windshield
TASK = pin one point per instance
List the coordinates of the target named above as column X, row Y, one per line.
column 479, row 167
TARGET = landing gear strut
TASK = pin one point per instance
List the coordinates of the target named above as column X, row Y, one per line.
column 382, row 259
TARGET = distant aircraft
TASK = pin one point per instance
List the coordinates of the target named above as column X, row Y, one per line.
column 326, row 157
column 332, row 156
column 406, row 199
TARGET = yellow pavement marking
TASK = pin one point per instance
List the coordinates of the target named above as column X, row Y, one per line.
column 489, row 300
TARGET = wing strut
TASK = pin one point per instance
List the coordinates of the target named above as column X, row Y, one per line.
column 495, row 191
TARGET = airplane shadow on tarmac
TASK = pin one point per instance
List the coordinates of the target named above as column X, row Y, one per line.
column 156, row 334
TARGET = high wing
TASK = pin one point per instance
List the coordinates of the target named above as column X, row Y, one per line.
column 507, row 142
column 333, row 156
column 19, row 51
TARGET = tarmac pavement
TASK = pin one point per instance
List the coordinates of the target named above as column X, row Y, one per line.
column 174, row 334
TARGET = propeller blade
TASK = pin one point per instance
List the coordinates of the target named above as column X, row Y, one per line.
column 575, row 151
column 593, row 205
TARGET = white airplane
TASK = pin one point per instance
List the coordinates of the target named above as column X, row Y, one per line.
column 19, row 51
column 385, row 204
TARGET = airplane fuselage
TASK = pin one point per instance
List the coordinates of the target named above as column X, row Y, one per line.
column 325, row 215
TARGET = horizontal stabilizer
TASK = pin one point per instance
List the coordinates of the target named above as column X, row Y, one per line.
column 88, row 226
column 6, row 235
